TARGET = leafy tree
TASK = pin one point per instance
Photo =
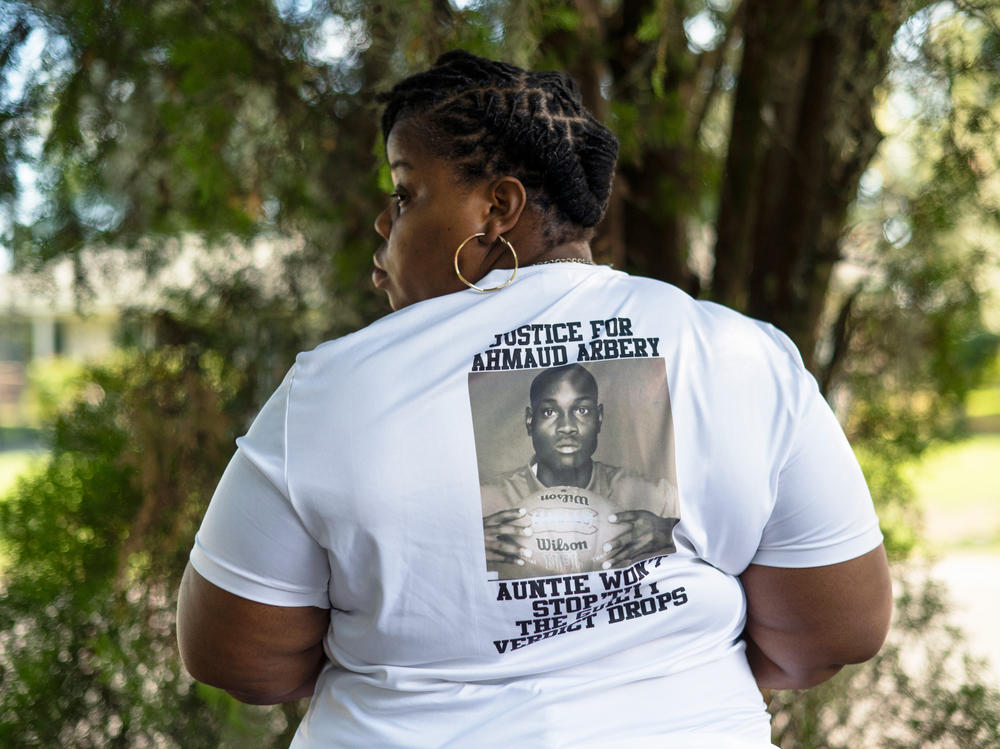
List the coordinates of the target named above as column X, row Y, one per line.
column 91, row 545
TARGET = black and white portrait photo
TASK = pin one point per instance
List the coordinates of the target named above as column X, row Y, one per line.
column 576, row 466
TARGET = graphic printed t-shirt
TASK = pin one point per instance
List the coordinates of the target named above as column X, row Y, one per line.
column 394, row 478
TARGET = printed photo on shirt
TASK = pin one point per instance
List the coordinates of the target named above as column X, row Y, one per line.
column 576, row 466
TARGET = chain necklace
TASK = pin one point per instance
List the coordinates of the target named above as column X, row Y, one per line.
column 566, row 260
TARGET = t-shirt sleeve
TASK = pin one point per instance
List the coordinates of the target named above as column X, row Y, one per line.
column 823, row 512
column 252, row 542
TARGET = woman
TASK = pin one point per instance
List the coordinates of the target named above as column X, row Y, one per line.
column 350, row 554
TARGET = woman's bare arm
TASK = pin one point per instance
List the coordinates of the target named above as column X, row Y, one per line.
column 258, row 653
column 803, row 625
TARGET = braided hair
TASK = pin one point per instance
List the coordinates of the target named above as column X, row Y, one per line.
column 491, row 118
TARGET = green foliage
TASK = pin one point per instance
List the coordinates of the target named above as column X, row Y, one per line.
column 561, row 17
column 156, row 118
column 13, row 464
column 94, row 543
column 892, row 490
column 919, row 692
column 919, row 346
column 51, row 383
column 916, row 341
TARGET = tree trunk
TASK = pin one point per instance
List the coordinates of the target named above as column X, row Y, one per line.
column 802, row 136
column 656, row 189
column 767, row 88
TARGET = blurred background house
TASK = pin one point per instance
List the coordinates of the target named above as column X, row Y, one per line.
column 55, row 320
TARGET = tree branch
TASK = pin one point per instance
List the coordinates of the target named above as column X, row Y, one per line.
column 841, row 340
column 718, row 58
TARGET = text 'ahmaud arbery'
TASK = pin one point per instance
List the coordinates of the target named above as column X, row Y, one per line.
column 548, row 345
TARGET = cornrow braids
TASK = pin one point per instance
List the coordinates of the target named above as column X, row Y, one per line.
column 492, row 118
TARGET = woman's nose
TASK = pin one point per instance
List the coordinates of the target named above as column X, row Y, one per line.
column 383, row 224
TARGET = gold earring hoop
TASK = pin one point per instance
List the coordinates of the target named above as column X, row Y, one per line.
column 471, row 285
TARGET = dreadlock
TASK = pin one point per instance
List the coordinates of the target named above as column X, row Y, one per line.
column 491, row 118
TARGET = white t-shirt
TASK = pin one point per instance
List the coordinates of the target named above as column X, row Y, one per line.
column 358, row 488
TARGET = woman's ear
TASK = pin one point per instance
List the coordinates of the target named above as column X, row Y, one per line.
column 508, row 199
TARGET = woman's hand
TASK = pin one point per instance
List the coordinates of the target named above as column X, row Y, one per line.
column 646, row 534
column 506, row 532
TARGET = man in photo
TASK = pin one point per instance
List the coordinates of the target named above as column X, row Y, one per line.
column 563, row 420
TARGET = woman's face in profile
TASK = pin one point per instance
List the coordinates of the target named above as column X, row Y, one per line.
column 431, row 213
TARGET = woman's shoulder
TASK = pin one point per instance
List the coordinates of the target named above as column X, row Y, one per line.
column 404, row 344
column 723, row 329
column 375, row 336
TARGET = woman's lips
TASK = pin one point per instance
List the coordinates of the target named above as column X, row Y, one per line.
column 379, row 275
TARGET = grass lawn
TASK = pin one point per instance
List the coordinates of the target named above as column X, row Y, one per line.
column 983, row 410
column 984, row 402
column 958, row 486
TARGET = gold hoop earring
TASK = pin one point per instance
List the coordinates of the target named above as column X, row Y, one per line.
column 471, row 285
